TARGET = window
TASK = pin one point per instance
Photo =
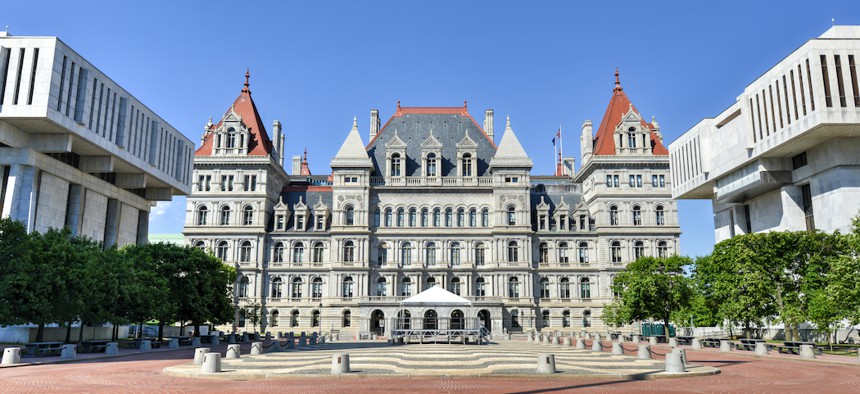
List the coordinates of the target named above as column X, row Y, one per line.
column 347, row 318
column 515, row 318
column 565, row 319
column 250, row 183
column 279, row 222
column 585, row 289
column 479, row 254
column 315, row 318
column 321, row 221
column 413, row 216
column 241, row 322
column 395, row 164
column 615, row 251
column 401, row 217
column 242, row 291
column 200, row 245
column 512, row 251
column 662, row 249
column 653, row 180
column 513, row 288
column 461, row 217
column 582, row 222
column 473, row 217
column 586, row 319
column 853, row 71
column 638, row 180
column 638, row 250
column 431, row 165
column 609, row 181
column 381, row 287
column 637, row 215
column 300, row 222
column 382, row 255
column 316, row 289
column 562, row 253
column 467, row 165
column 202, row 215
column 583, row 252
column 541, row 222
column 424, row 216
column 245, row 251
column 231, row 138
column 226, row 183
column 455, row 254
column 294, row 318
column 808, row 213
column 296, row 292
column 455, row 286
column 512, row 179
column 449, row 217
column 430, row 254
column 225, row 216
column 273, row 320
column 632, row 180
column 543, row 252
column 348, row 251
column 350, row 179
column 406, row 254
column 318, row 252
column 298, row 252
column 512, row 216
column 436, row 217
column 544, row 288
column 826, row 80
column 545, row 318
column 631, row 137
column 221, row 251
column 798, row 161
column 376, row 218
column 388, row 217
column 662, row 180
column 406, row 287
column 485, row 217
column 660, row 216
column 350, row 215
column 276, row 287
column 278, row 253
column 479, row 288
column 615, row 181
column 248, row 215
column 347, row 287
column 564, row 288
column 613, row 215
column 431, row 281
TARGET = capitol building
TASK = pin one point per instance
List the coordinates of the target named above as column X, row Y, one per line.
column 430, row 197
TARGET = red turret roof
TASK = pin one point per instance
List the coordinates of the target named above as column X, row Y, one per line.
column 306, row 170
column 619, row 104
column 259, row 144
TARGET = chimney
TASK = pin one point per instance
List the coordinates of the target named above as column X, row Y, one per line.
column 488, row 124
column 586, row 141
column 276, row 146
column 374, row 123
column 297, row 165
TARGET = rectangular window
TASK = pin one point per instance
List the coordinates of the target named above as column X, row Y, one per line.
column 809, row 82
column 582, row 222
column 839, row 82
column 758, row 116
column 632, row 182
column 81, row 95
column 5, row 57
column 787, row 106
column 279, row 220
column 615, row 181
column 33, row 76
column 62, row 84
column 18, row 76
column 798, row 161
column 662, row 181
column 806, row 192
column 609, row 181
column 512, row 179
column 748, row 218
column 852, row 69
column 802, row 89
column 764, row 111
column 772, row 111
column 779, row 105
column 300, row 222
column 825, row 78
column 653, row 180
column 638, row 180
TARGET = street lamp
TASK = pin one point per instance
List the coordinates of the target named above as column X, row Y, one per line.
column 319, row 322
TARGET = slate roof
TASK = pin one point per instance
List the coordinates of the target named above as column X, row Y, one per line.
column 260, row 144
column 553, row 193
column 309, row 194
column 619, row 104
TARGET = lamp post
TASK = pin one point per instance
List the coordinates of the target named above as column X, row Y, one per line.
column 319, row 323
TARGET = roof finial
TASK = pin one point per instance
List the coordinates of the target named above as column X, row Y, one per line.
column 305, row 159
column 247, row 77
column 464, row 104
column 832, row 23
column 354, row 122
column 617, row 81
column 507, row 121
column 398, row 105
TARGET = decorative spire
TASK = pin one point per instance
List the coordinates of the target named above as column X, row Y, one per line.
column 354, row 122
column 618, row 87
column 464, row 105
column 305, row 158
column 247, row 84
column 507, row 121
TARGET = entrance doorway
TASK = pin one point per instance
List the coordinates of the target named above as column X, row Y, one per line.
column 430, row 320
column 377, row 322
column 457, row 321
column 484, row 319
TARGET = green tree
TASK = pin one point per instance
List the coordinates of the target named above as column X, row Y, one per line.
column 614, row 314
column 654, row 288
column 252, row 314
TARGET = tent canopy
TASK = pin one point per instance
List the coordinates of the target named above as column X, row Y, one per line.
column 436, row 296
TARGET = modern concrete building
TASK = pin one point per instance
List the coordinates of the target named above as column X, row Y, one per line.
column 431, row 200
column 784, row 156
column 77, row 150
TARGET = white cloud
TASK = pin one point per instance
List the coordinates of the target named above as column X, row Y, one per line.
column 160, row 209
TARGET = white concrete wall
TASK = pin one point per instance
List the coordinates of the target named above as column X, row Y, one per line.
column 51, row 208
column 127, row 225
column 95, row 207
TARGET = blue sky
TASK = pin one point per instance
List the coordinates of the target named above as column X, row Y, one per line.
column 316, row 64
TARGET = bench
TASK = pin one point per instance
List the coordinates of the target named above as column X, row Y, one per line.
column 43, row 348
column 748, row 344
column 793, row 347
column 684, row 340
column 184, row 341
column 710, row 342
column 93, row 346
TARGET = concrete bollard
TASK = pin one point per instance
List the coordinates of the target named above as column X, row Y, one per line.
column 696, row 343
column 276, row 346
column 173, row 343
column 303, row 341
column 215, row 341
column 761, row 349
column 234, row 351
column 617, row 350
column 112, row 348
column 290, row 344
column 725, row 345
column 674, row 363
column 268, row 336
column 546, row 364
column 69, row 352
column 567, row 342
column 806, row 352
column 652, row 341
column 596, row 336
column 644, row 352
column 231, row 339
column 556, row 341
column 256, row 348
column 340, row 363
column 683, row 354
column 580, row 344
column 145, row 345
column 313, row 340
column 11, row 355
column 195, row 342
column 596, row 346
column 508, row 336
column 673, row 342
column 245, row 337
column 547, row 339
column 199, row 353
column 211, row 363
column 636, row 339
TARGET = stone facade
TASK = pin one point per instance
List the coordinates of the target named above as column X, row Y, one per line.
column 784, row 155
column 431, row 200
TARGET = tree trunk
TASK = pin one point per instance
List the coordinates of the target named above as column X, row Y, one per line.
column 40, row 332
column 747, row 330
column 68, row 332
column 81, row 332
column 196, row 329
column 160, row 330
column 666, row 328
column 140, row 330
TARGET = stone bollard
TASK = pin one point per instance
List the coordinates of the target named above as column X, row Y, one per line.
column 806, row 351
column 567, row 342
column 580, row 344
column 112, row 348
column 231, row 339
column 313, row 340
column 303, row 341
column 69, row 352
column 596, row 346
column 245, row 337
column 234, row 351
column 508, row 336
column 673, row 342
column 617, row 350
column 211, row 363
column 290, row 344
column 145, row 346
column 268, row 336
column 636, row 339
column 199, row 353
column 696, row 343
column 725, row 345
column 596, row 336
column 340, row 363
column 556, row 341
column 652, row 341
column 683, row 354
column 546, row 364
column 195, row 342
column 215, row 341
column 276, row 346
column 644, row 352
column 11, row 355
column 547, row 339
column 173, row 343
column 256, row 348
column 674, row 364
column 761, row 349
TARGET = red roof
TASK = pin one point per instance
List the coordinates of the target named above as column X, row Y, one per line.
column 260, row 144
column 619, row 104
column 462, row 111
column 306, row 170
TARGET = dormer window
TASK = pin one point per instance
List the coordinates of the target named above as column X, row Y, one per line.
column 279, row 222
column 300, row 222
column 321, row 222
column 631, row 137
column 467, row 165
column 431, row 165
column 395, row 165
column 231, row 138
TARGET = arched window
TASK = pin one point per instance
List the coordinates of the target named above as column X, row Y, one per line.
column 242, row 291
column 457, row 322
column 350, row 215
column 424, row 217
column 455, row 285
column 406, row 254
column 543, row 252
column 480, row 290
column 479, row 254
column 512, row 216
column 631, row 137
column 296, row 291
column 200, row 245
column 406, row 287
column 395, row 165
column 376, row 217
column 586, row 319
column 430, row 320
column 431, row 281
column 347, row 319
column 545, row 317
column 401, row 217
column 431, row 164
column 273, row 320
column 562, row 253
column 473, row 217
column 662, row 249
column 221, row 251
column 381, row 287
column 430, row 254
column 202, row 215
column 245, row 251
column 637, row 215
column 455, row 254
column 278, row 252
column 382, row 255
column 231, row 138
column 564, row 288
column 485, row 217
column 449, row 217
column 298, row 252
column 544, row 288
column 583, row 252
column 513, row 288
column 565, row 318
column 613, row 215
column 638, row 250
column 467, row 165
column 315, row 318
column 348, row 251
column 225, row 216
column 461, row 218
column 277, row 291
column 436, row 217
column 316, row 289
column 346, row 290
column 294, row 318
column 318, row 252
column 615, row 251
column 585, row 289
column 513, row 251
column 388, row 217
column 660, row 216
column 248, row 215
column 412, row 217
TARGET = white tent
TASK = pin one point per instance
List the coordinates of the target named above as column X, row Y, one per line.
column 436, row 296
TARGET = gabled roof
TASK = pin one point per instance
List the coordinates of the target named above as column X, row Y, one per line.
column 510, row 152
column 619, row 105
column 436, row 296
column 244, row 107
